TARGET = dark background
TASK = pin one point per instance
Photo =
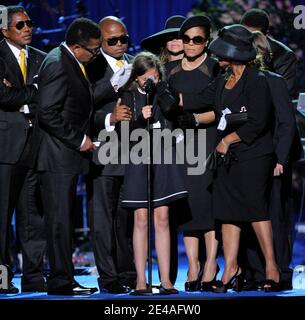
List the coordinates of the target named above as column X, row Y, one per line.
column 145, row 17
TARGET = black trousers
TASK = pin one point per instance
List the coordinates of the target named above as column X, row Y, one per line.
column 280, row 214
column 111, row 230
column 58, row 192
column 19, row 190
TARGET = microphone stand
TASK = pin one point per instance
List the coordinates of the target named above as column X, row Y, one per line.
column 151, row 290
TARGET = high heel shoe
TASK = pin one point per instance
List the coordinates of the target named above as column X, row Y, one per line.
column 270, row 285
column 235, row 283
column 208, row 285
column 192, row 286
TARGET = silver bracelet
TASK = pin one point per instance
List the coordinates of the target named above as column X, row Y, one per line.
column 196, row 119
column 226, row 144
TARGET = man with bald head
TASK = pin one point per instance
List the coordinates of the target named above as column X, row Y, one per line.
column 109, row 223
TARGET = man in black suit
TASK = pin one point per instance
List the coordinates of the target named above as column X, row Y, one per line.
column 19, row 63
column 284, row 61
column 65, row 107
column 110, row 224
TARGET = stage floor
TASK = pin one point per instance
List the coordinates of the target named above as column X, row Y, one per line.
column 91, row 281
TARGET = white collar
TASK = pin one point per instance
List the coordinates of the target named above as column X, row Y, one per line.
column 16, row 51
column 111, row 61
column 66, row 46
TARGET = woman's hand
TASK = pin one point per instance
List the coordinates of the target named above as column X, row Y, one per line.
column 146, row 112
column 222, row 147
column 278, row 170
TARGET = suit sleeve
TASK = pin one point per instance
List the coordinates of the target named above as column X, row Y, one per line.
column 285, row 119
column 53, row 91
column 12, row 97
column 102, row 90
column 286, row 66
column 258, row 109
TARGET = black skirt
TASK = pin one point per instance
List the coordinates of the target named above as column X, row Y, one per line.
column 241, row 193
column 167, row 185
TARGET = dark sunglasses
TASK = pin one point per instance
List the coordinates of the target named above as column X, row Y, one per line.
column 172, row 37
column 113, row 41
column 196, row 40
column 21, row 24
column 95, row 52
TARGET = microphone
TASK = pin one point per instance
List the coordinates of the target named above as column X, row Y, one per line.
column 149, row 85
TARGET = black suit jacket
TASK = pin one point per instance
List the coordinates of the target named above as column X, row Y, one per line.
column 14, row 126
column 105, row 99
column 284, row 62
column 285, row 131
column 65, row 107
column 253, row 93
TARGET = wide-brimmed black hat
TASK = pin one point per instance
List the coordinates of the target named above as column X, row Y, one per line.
column 195, row 21
column 234, row 43
column 158, row 40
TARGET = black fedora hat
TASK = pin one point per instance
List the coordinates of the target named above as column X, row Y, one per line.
column 158, row 40
column 234, row 43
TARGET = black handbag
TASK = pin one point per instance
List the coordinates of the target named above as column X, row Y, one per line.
column 236, row 118
column 213, row 160
column 216, row 159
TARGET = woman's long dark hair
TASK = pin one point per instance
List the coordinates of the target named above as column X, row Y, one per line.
column 143, row 62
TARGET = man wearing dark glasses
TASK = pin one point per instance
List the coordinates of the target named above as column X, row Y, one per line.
column 19, row 63
column 65, row 108
column 108, row 221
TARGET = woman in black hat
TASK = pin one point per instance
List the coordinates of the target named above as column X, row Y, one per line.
column 242, row 181
column 190, row 76
column 166, row 43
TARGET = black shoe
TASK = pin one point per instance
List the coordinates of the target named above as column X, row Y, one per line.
column 34, row 287
column 114, row 288
column 251, row 285
column 10, row 290
column 191, row 286
column 235, row 283
column 131, row 283
column 208, row 285
column 164, row 290
column 72, row 289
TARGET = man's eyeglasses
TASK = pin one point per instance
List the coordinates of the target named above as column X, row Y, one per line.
column 21, row 24
column 95, row 52
column 113, row 41
column 196, row 40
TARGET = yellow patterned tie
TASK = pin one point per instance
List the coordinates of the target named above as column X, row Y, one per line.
column 22, row 63
column 120, row 63
column 83, row 70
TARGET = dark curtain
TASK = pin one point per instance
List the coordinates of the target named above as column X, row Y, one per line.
column 142, row 17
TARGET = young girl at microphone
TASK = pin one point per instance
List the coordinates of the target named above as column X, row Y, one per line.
column 145, row 93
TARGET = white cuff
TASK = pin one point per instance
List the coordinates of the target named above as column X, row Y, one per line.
column 83, row 142
column 108, row 126
column 26, row 109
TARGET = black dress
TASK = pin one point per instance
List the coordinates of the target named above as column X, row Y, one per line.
column 241, row 190
column 168, row 182
column 196, row 212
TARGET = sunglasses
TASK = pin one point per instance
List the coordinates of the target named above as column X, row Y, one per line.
column 21, row 24
column 196, row 40
column 172, row 37
column 113, row 41
column 95, row 52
